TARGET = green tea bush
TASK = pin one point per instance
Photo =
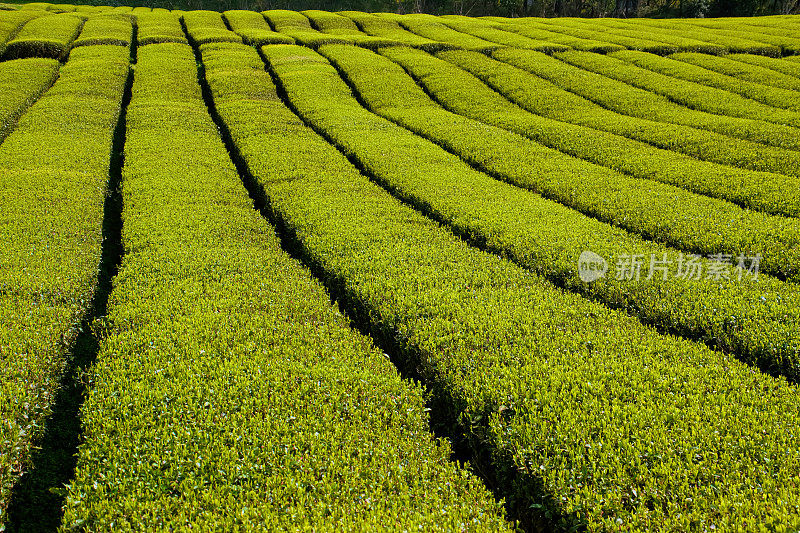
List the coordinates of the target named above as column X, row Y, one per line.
column 576, row 125
column 335, row 24
column 253, row 28
column 541, row 32
column 35, row 6
column 657, row 211
column 11, row 22
column 431, row 27
column 298, row 27
column 22, row 82
column 62, row 8
column 746, row 72
column 454, row 193
column 587, row 416
column 106, row 29
column 208, row 27
column 390, row 29
column 154, row 28
column 786, row 42
column 631, row 100
column 545, row 97
column 771, row 96
column 328, row 22
column 618, row 66
column 778, row 65
column 734, row 44
column 229, row 393
column 53, row 176
column 682, row 42
column 487, row 31
column 637, row 41
column 46, row 36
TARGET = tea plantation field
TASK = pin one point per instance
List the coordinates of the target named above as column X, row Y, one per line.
column 353, row 272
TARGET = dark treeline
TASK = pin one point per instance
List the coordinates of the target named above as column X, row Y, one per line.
column 510, row 8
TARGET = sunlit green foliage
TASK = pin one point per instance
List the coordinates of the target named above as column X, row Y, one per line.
column 778, row 65
column 298, row 27
column 229, row 392
column 443, row 200
column 46, row 36
column 542, row 32
column 743, row 71
column 389, row 29
column 672, row 41
column 430, row 27
column 582, row 29
column 156, row 28
column 208, row 27
column 693, row 95
column 631, row 100
column 22, row 82
column 335, row 24
column 654, row 210
column 731, row 43
column 729, row 312
column 771, row 96
column 563, row 393
column 544, row 123
column 11, row 22
column 254, row 29
column 53, row 174
column 488, row 32
column 622, row 98
column 106, row 29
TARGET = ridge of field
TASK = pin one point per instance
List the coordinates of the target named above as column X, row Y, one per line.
column 786, row 43
column 770, row 96
column 693, row 95
column 240, row 395
column 51, row 226
column 489, row 32
column 439, row 178
column 626, row 99
column 634, row 41
column 778, row 65
column 732, row 44
column 315, row 27
column 656, row 211
column 742, row 71
column 46, row 36
column 430, row 27
column 416, row 283
column 22, row 82
column 252, row 27
column 112, row 29
column 572, row 126
column 449, row 191
column 389, row 29
column 546, row 98
column 11, row 23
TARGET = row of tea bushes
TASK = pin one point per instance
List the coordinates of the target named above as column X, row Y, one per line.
column 22, row 82
column 585, row 415
column 229, row 392
column 755, row 320
column 54, row 171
